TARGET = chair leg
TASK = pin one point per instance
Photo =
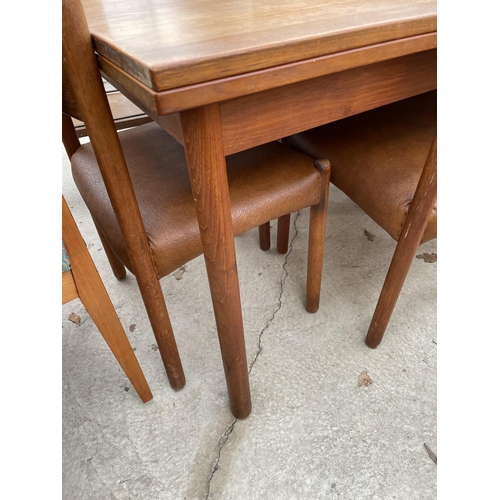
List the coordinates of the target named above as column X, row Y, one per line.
column 118, row 268
column 317, row 226
column 156, row 309
column 98, row 304
column 282, row 238
column 283, row 234
column 154, row 302
column 102, row 312
column 265, row 236
column 394, row 281
column 409, row 240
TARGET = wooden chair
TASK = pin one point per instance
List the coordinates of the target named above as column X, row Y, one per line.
column 80, row 279
column 137, row 188
column 385, row 161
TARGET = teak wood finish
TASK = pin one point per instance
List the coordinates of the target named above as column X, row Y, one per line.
column 282, row 234
column 169, row 44
column 258, row 71
column 411, row 235
column 84, row 80
column 385, row 161
column 175, row 196
column 202, row 131
column 83, row 281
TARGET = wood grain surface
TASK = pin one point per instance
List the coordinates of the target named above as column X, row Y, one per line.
column 253, row 119
column 172, row 43
column 223, row 89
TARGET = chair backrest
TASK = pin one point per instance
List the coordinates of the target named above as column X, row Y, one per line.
column 84, row 98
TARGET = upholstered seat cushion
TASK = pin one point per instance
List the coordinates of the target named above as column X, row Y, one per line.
column 264, row 183
column 377, row 157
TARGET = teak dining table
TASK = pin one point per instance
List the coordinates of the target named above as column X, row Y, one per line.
column 225, row 76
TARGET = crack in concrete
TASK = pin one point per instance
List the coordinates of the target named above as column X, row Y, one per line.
column 222, row 442
column 284, row 275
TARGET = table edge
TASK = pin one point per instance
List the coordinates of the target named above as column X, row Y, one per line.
column 172, row 75
column 219, row 90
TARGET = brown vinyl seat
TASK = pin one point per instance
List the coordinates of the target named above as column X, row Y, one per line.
column 137, row 188
column 378, row 160
column 264, row 183
column 81, row 280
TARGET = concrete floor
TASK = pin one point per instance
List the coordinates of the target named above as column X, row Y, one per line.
column 313, row 432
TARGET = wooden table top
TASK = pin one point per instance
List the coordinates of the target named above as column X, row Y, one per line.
column 167, row 44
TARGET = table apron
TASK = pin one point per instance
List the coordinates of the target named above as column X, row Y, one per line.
column 276, row 113
column 259, row 118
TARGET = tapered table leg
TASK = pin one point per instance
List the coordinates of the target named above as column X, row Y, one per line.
column 207, row 169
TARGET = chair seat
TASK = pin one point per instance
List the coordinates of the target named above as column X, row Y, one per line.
column 264, row 183
column 377, row 158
